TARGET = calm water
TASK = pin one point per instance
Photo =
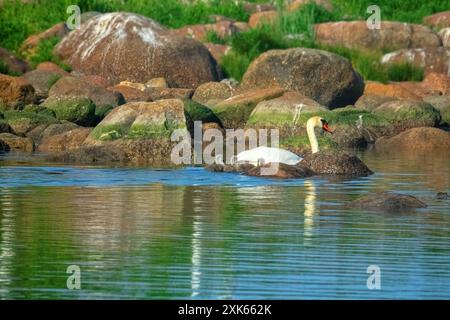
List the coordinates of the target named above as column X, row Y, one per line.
column 189, row 233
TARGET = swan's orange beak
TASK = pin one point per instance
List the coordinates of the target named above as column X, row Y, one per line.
column 326, row 127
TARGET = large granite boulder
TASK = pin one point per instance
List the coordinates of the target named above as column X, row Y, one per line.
column 430, row 59
column 322, row 76
column 128, row 47
column 392, row 35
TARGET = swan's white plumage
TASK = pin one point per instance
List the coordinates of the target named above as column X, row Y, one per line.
column 268, row 154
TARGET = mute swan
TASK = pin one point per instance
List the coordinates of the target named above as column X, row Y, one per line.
column 266, row 154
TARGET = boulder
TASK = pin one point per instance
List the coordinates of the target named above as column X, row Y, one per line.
column 387, row 201
column 396, row 90
column 416, row 140
column 47, row 131
column 211, row 93
column 437, row 82
column 29, row 46
column 11, row 63
column 282, row 110
column 370, row 100
column 124, row 46
column 16, row 143
column 69, row 140
column 141, row 120
column 406, row 114
column 131, row 93
column 199, row 112
column 103, row 99
column 157, row 83
column 336, row 163
column 218, row 51
column 392, row 35
column 23, row 122
column 235, row 111
column 168, row 93
column 4, row 126
column 41, row 81
column 441, row 103
column 445, row 36
column 438, row 20
column 52, row 67
column 15, row 92
column 76, row 109
column 322, row 76
column 40, row 110
column 258, row 19
column 431, row 59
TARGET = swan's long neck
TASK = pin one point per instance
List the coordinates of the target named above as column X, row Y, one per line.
column 312, row 136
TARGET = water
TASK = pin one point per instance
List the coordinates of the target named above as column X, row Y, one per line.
column 188, row 233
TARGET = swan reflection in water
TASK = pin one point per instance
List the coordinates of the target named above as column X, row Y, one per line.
column 310, row 210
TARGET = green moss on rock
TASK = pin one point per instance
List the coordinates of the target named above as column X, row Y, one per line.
column 78, row 110
column 199, row 112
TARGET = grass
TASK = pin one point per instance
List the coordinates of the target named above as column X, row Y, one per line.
column 370, row 67
column 302, row 142
column 294, row 29
column 44, row 52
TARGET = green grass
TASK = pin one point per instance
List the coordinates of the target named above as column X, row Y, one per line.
column 369, row 65
column 295, row 29
column 302, row 142
column 44, row 52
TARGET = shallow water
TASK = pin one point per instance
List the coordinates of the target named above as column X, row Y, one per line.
column 189, row 233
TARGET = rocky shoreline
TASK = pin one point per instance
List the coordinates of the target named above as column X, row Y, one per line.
column 133, row 82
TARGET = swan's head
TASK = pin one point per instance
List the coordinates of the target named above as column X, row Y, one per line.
column 321, row 123
column 325, row 126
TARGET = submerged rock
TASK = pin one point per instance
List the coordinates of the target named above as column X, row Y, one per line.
column 336, row 163
column 282, row 171
column 387, row 201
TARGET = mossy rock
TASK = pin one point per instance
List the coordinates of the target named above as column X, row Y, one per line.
column 78, row 110
column 409, row 114
column 40, row 110
column 441, row 103
column 199, row 112
column 102, row 111
column 235, row 111
column 22, row 122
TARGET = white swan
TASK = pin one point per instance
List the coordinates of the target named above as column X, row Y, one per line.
column 260, row 155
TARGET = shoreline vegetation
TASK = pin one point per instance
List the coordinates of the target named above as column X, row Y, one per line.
column 20, row 20
column 230, row 64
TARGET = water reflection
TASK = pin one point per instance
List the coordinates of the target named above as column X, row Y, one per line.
column 251, row 239
column 310, row 210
